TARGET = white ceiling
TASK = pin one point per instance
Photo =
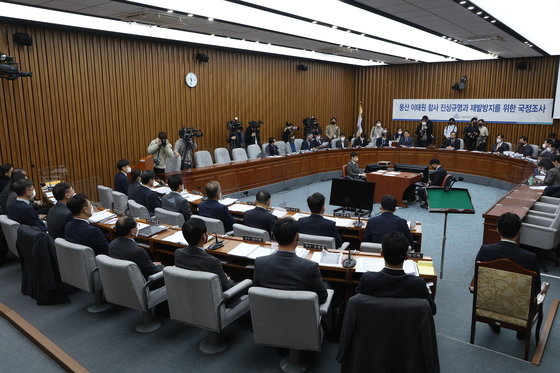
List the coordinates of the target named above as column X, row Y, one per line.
column 439, row 16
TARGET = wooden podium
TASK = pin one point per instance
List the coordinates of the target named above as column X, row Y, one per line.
column 392, row 183
column 146, row 163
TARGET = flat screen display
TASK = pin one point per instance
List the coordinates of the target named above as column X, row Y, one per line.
column 352, row 193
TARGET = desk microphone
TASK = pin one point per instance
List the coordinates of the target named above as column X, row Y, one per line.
column 217, row 244
column 452, row 182
column 349, row 262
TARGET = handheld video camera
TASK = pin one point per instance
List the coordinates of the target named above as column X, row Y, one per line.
column 9, row 68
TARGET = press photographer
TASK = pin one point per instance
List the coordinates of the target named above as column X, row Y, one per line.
column 289, row 131
column 161, row 149
column 235, row 136
column 311, row 125
column 185, row 145
column 253, row 133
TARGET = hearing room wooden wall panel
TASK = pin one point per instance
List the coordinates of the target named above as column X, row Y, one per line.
column 96, row 98
column 378, row 86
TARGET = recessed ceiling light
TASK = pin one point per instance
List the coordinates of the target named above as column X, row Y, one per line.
column 211, row 34
column 347, row 30
column 333, row 26
column 210, row 19
column 486, row 17
column 462, row 2
column 493, row 21
column 470, row 8
column 362, row 34
column 443, row 36
column 455, row 40
column 478, row 13
column 314, row 22
column 256, row 41
column 169, row 11
column 189, row 15
column 341, row 45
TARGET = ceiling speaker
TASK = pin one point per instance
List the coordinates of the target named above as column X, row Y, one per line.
column 522, row 65
column 302, row 67
column 21, row 38
column 201, row 57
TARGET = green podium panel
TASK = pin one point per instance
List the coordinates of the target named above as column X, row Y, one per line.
column 455, row 200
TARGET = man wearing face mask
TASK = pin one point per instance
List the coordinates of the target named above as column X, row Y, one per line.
column 332, row 130
column 360, row 141
column 398, row 134
column 376, row 131
column 341, row 143
column 482, row 136
column 79, row 230
column 59, row 215
column 452, row 143
column 383, row 141
column 174, row 201
column 451, row 127
column 424, row 132
column 121, row 178
column 524, row 148
column 547, row 150
column 20, row 210
column 470, row 133
column 500, row 146
column 161, row 149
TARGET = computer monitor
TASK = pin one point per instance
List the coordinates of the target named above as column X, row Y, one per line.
column 352, row 193
column 372, row 167
column 415, row 168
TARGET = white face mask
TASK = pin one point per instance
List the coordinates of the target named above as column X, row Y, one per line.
column 423, row 123
column 33, row 194
column 378, row 124
column 128, row 169
column 400, row 132
column 498, row 140
column 544, row 145
column 91, row 212
column 136, row 232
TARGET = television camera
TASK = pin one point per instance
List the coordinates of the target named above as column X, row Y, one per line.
column 9, row 68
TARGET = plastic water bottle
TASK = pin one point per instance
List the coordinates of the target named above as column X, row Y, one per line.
column 531, row 180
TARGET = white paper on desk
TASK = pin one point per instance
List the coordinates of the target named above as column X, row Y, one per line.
column 540, row 177
column 261, row 251
column 299, row 215
column 340, row 222
column 301, row 252
column 101, row 215
column 228, row 201
column 141, row 225
column 369, row 264
column 162, row 190
column 325, row 258
column 392, row 173
column 176, row 237
column 410, row 267
column 240, row 207
column 538, row 187
column 279, row 213
column 191, row 197
column 243, row 249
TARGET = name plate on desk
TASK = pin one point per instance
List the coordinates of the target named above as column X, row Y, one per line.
column 251, row 203
column 292, row 209
column 314, row 246
column 414, row 255
column 254, row 239
column 342, row 214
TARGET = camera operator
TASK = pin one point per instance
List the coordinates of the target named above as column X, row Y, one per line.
column 470, row 133
column 288, row 133
column 161, row 149
column 424, row 132
column 235, row 137
column 332, row 130
column 312, row 126
column 184, row 147
column 253, row 133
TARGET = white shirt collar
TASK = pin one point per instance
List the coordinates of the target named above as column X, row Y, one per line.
column 23, row 200
column 87, row 221
column 506, row 240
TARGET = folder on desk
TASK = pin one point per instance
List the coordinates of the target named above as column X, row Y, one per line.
column 101, row 215
column 252, row 251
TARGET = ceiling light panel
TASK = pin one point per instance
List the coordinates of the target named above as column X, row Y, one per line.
column 536, row 21
column 348, row 16
column 28, row 13
column 248, row 16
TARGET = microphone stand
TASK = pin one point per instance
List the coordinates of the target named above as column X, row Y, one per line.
column 349, row 262
column 217, row 243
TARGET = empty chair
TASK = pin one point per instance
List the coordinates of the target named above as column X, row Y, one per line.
column 202, row 158
column 263, row 146
column 288, row 148
column 511, row 149
column 78, row 268
column 137, row 210
column 10, row 228
column 253, row 151
column 461, row 144
column 333, row 143
column 173, row 164
column 105, row 196
column 321, row 240
column 196, row 298
column 240, row 230
column 124, row 285
column 281, row 147
column 541, row 233
column 546, row 207
column 120, row 202
column 289, row 319
column 212, row 225
column 535, row 150
column 370, row 247
column 298, row 143
column 221, row 155
column 239, row 154
column 169, row 217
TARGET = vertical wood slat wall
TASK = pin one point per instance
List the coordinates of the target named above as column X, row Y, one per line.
column 96, row 98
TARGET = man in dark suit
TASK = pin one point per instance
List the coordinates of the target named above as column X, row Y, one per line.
column 500, row 146
column 145, row 195
column 173, row 201
column 360, row 141
column 316, row 224
column 272, row 149
column 121, row 178
column 437, row 179
column 341, row 142
column 406, row 140
column 59, row 215
column 392, row 281
column 284, row 270
column 212, row 207
column 524, row 148
column 79, row 230
column 378, row 226
column 134, row 184
column 124, row 247
column 20, row 210
column 509, row 225
column 310, row 143
column 451, row 143
column 259, row 217
column 352, row 168
column 383, row 141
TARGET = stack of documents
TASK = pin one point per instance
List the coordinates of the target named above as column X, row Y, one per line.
column 377, row 264
column 279, row 213
column 248, row 250
column 392, row 173
column 101, row 215
column 299, row 215
column 228, row 201
column 340, row 222
column 325, row 258
column 190, row 197
column 176, row 237
column 240, row 207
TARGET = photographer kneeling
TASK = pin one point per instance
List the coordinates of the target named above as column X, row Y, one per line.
column 161, row 149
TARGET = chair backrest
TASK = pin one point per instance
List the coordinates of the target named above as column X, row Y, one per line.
column 285, row 318
column 461, row 144
column 122, row 282
column 344, row 171
column 120, row 202
column 333, row 143
column 10, row 228
column 263, row 146
column 318, row 240
column 221, row 155
column 137, row 210
column 511, row 149
column 239, row 154
column 298, row 143
column 504, row 291
column 556, row 222
column 253, row 151
column 281, row 147
column 194, row 297
column 77, row 264
column 446, row 179
column 212, row 225
column 173, row 164
column 169, row 217
column 105, row 196
column 535, row 150
column 240, row 230
column 202, row 158
column 288, row 148
column 370, row 247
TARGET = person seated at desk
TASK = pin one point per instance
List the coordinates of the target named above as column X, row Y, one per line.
column 500, row 146
column 284, row 270
column 310, row 142
column 195, row 258
column 392, row 281
column 509, row 226
column 272, row 149
column 7, row 195
column 548, row 149
column 145, row 195
column 59, row 215
column 341, row 143
column 315, row 223
column 436, row 177
column 360, row 141
column 552, row 177
column 125, row 248
column 134, row 184
column 121, row 177
column 79, row 230
column 383, row 141
column 259, row 217
column 524, row 148
column 451, row 127
column 174, row 201
column 21, row 210
column 406, row 140
column 352, row 168
column 378, row 226
column 212, row 207
column 398, row 134
column 452, row 142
